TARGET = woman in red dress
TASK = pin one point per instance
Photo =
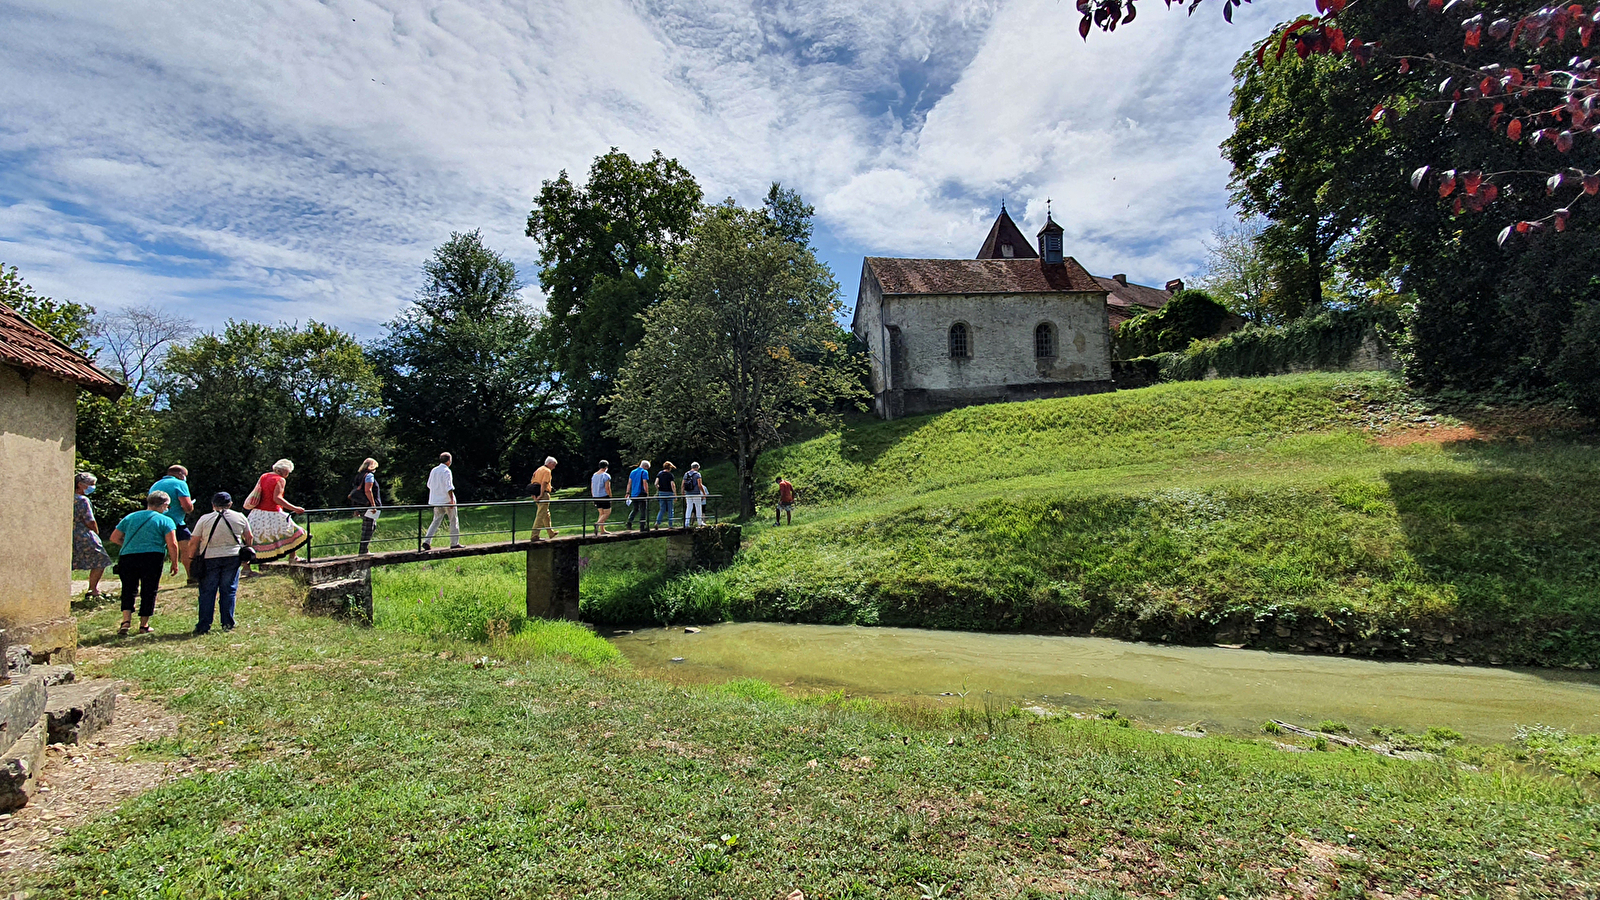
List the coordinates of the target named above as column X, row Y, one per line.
column 276, row 534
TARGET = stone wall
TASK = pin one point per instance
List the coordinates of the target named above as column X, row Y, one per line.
column 37, row 440
column 912, row 370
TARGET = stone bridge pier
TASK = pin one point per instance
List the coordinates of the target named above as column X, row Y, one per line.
column 553, row 565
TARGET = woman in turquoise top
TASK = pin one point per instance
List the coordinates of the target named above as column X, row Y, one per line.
column 145, row 537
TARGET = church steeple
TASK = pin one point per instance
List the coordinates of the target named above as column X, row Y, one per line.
column 1050, row 239
column 1005, row 240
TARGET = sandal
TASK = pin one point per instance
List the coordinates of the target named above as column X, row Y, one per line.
column 122, row 631
column 145, row 629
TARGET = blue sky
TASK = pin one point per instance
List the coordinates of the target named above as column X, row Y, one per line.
column 289, row 160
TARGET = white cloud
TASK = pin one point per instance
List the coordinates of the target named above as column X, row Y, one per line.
column 293, row 159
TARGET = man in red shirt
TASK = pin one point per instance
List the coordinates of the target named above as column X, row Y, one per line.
column 785, row 501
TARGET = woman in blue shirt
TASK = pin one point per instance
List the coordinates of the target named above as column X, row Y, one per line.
column 145, row 537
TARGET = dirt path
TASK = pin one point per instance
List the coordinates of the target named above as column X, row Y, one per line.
column 80, row 783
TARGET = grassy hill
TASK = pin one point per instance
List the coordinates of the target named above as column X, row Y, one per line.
column 1324, row 512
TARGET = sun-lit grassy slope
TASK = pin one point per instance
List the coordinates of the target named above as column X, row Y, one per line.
column 1257, row 511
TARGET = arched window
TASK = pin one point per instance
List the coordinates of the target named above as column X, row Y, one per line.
column 960, row 346
column 1044, row 341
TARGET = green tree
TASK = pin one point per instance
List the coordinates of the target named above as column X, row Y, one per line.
column 605, row 249
column 1484, row 316
column 1238, row 274
column 255, row 393
column 1189, row 316
column 744, row 343
column 117, row 440
column 464, row 371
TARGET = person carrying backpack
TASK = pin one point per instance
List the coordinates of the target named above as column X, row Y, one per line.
column 694, row 496
column 365, row 492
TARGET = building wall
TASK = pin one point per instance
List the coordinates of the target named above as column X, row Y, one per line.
column 869, row 327
column 1000, row 339
column 38, row 421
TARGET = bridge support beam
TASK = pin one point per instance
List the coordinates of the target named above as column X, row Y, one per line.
column 703, row 548
column 553, row 581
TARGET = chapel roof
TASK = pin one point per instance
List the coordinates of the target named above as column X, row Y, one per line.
column 1005, row 231
column 26, row 346
column 1124, row 299
column 980, row 276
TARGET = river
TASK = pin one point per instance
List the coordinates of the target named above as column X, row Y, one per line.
column 1213, row 688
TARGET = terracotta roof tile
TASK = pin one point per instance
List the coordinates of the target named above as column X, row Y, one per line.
column 1005, row 231
column 979, row 276
column 1135, row 294
column 27, row 346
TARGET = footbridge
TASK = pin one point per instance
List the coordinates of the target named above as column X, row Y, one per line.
column 335, row 565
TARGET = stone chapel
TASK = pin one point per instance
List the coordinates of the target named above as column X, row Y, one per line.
column 1012, row 324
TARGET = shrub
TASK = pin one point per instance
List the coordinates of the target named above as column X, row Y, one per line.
column 1328, row 340
column 1187, row 317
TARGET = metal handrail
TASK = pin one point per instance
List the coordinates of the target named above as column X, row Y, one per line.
column 711, row 511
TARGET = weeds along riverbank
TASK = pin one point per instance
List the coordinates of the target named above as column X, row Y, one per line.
column 397, row 761
column 1331, row 513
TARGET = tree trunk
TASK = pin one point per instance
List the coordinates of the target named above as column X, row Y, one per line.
column 747, row 488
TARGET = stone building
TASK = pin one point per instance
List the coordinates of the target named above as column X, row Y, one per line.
column 39, row 382
column 1012, row 324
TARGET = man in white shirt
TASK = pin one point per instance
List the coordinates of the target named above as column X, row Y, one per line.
column 442, row 497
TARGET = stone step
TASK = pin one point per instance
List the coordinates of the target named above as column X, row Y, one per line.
column 19, row 767
column 74, row 712
column 21, row 704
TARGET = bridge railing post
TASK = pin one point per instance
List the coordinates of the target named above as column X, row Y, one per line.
column 514, row 522
column 419, row 529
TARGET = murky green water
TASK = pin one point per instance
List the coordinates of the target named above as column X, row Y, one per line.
column 1217, row 689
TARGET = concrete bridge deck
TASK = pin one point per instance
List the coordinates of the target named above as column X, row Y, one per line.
column 342, row 585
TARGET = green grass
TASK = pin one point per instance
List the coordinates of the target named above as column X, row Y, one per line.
column 383, row 763
column 1224, row 511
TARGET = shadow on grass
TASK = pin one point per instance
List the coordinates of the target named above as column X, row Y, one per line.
column 1517, row 537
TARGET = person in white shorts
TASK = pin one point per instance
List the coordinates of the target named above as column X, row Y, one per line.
column 694, row 495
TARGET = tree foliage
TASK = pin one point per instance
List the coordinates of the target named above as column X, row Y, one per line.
column 1238, row 274
column 117, row 440
column 463, row 371
column 241, row 399
column 1189, row 316
column 605, row 249
column 744, row 343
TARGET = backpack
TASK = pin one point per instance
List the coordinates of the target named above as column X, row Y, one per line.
column 358, row 493
column 691, row 482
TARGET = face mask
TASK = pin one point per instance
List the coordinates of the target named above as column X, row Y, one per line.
column 89, row 489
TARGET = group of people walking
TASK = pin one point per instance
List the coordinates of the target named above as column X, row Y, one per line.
column 218, row 547
column 663, row 487
column 222, row 544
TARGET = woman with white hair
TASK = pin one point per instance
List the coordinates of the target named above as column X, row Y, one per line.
column 87, row 550
column 276, row 534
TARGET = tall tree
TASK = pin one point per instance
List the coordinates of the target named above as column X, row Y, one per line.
column 1238, row 273
column 118, row 440
column 744, row 343
column 136, row 338
column 605, row 248
column 255, row 393
column 1485, row 316
column 463, row 371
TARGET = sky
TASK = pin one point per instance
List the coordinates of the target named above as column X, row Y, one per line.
column 286, row 160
